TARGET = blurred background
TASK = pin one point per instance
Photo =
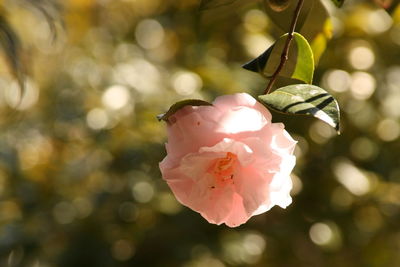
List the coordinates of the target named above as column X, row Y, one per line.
column 79, row 150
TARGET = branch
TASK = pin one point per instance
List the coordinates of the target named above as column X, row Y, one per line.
column 285, row 52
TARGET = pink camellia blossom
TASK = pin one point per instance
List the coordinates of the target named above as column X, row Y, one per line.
column 228, row 161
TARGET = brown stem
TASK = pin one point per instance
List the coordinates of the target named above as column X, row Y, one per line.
column 285, row 51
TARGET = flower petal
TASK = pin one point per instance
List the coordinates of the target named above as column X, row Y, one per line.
column 252, row 185
column 281, row 140
column 227, row 102
column 216, row 206
column 281, row 183
column 190, row 132
column 241, row 119
column 265, row 159
column 238, row 214
column 180, row 184
column 241, row 150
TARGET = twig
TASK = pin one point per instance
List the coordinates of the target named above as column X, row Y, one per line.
column 285, row 52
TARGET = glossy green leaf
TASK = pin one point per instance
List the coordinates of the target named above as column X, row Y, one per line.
column 304, row 99
column 178, row 105
column 338, row 3
column 300, row 63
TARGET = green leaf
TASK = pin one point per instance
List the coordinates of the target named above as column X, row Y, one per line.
column 300, row 63
column 178, row 105
column 338, row 3
column 304, row 99
column 313, row 23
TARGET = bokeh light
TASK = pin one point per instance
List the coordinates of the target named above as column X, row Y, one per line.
column 361, row 57
column 321, row 234
column 186, row 83
column 351, row 177
column 149, row 33
column 363, row 85
column 337, row 80
column 116, row 97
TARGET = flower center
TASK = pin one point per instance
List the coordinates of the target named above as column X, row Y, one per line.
column 224, row 168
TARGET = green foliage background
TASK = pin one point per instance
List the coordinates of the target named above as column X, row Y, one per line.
column 79, row 178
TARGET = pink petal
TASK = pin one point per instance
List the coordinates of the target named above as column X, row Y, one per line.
column 266, row 206
column 180, row 184
column 238, row 214
column 252, row 185
column 216, row 206
column 282, row 196
column 189, row 133
column 265, row 159
column 280, row 187
column 281, row 140
column 227, row 102
column 241, row 119
column 282, row 181
column 241, row 150
column 183, row 177
column 198, row 191
column 264, row 134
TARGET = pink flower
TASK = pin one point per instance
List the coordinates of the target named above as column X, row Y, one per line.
column 228, row 161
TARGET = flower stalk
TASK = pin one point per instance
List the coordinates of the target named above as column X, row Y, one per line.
column 285, row 51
